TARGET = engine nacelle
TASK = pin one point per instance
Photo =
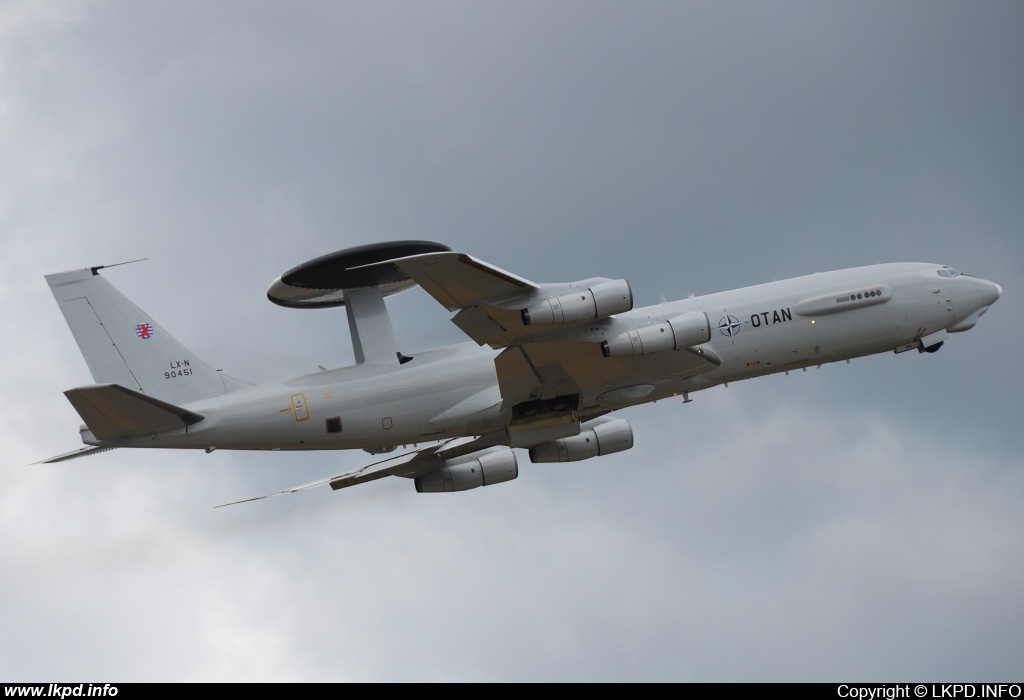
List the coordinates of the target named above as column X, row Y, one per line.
column 594, row 302
column 602, row 436
column 674, row 334
column 462, row 473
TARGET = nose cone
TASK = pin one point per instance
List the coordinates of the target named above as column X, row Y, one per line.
column 990, row 292
column 980, row 295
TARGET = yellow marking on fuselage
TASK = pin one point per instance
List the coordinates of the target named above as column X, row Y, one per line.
column 301, row 407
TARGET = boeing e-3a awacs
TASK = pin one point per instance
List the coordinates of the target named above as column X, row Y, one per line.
column 549, row 366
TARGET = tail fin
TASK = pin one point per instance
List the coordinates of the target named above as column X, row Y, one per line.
column 123, row 345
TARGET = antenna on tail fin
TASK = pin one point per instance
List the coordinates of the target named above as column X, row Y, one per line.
column 95, row 270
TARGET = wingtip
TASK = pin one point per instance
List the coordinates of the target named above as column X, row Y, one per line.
column 244, row 500
column 80, row 452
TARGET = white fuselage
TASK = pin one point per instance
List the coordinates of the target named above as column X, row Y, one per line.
column 454, row 391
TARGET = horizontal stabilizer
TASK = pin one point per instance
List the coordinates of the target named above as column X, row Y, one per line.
column 112, row 411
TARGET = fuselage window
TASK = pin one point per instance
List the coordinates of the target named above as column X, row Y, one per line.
column 333, row 424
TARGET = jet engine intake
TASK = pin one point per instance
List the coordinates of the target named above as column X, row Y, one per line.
column 462, row 474
column 598, row 301
column 602, row 436
column 674, row 334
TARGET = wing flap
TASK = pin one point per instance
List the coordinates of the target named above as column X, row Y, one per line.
column 112, row 411
column 546, row 369
column 407, row 467
column 481, row 326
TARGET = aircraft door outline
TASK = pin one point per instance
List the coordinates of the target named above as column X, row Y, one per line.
column 300, row 407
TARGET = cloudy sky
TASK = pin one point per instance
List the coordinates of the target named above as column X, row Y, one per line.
column 860, row 521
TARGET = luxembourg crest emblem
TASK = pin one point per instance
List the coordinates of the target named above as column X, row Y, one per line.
column 144, row 331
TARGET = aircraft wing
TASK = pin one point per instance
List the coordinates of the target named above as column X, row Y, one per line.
column 458, row 280
column 74, row 454
column 488, row 299
column 409, row 464
column 538, row 361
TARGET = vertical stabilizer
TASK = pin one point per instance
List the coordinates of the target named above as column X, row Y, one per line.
column 122, row 345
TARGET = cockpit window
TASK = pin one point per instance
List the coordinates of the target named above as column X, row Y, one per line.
column 948, row 272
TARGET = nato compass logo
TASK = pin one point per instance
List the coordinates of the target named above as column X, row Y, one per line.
column 729, row 325
column 144, row 331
